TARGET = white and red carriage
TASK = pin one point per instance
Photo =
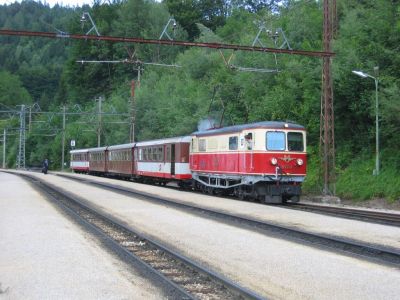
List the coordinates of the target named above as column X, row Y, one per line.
column 159, row 161
column 80, row 160
column 166, row 159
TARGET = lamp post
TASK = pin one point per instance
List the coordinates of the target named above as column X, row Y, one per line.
column 365, row 75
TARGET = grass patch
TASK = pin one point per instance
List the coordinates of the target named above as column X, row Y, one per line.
column 356, row 181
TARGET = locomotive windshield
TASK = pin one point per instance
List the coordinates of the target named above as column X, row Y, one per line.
column 295, row 141
column 276, row 141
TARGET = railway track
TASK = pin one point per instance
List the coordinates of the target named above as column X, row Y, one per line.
column 350, row 213
column 187, row 277
column 346, row 246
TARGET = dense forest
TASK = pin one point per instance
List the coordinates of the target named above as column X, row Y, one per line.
column 177, row 87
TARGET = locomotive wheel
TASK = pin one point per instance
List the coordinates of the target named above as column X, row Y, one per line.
column 255, row 197
column 239, row 193
column 203, row 189
column 210, row 190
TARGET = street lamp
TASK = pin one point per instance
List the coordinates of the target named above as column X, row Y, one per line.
column 365, row 75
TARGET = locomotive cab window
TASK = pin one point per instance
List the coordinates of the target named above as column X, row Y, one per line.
column 295, row 141
column 233, row 143
column 275, row 140
column 249, row 141
column 202, row 145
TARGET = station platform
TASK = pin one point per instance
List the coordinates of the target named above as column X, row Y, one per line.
column 44, row 255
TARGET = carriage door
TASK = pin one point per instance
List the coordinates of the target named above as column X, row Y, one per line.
column 172, row 159
column 135, row 154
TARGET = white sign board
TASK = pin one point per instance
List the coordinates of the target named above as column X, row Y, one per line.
column 72, row 143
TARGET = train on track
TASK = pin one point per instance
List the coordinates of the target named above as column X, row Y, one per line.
column 264, row 161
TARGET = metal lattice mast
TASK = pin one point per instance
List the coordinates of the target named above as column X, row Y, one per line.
column 21, row 148
column 99, row 119
column 133, row 109
column 327, row 122
column 4, row 147
column 63, row 140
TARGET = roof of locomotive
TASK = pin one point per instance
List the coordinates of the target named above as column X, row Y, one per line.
column 238, row 128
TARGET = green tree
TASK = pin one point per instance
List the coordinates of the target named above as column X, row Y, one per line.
column 11, row 90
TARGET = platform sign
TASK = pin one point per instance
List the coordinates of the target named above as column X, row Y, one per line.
column 72, row 143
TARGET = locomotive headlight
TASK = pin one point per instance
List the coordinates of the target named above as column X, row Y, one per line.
column 299, row 161
column 274, row 161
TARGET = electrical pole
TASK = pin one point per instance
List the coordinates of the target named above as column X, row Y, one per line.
column 133, row 111
column 21, row 149
column 30, row 118
column 63, row 140
column 4, row 148
column 99, row 129
column 327, row 123
column 133, row 104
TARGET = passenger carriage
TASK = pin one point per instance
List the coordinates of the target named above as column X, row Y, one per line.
column 120, row 160
column 98, row 160
column 79, row 161
column 264, row 161
column 163, row 160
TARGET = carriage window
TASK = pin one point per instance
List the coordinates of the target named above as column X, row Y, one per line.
column 233, row 143
column 149, row 154
column 144, row 154
column 202, row 145
column 168, row 156
column 295, row 141
column 275, row 140
column 154, row 154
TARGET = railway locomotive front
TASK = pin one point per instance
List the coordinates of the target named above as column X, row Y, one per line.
column 265, row 161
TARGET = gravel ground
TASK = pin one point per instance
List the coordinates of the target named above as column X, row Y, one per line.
column 273, row 267
column 45, row 256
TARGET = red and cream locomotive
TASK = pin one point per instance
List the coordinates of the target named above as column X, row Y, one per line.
column 265, row 161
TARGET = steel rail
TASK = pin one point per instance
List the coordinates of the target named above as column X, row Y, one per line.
column 136, row 40
column 237, row 290
column 344, row 245
column 351, row 213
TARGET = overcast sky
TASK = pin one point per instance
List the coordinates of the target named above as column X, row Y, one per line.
column 53, row 2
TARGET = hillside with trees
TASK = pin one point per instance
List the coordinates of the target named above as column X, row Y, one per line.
column 44, row 73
